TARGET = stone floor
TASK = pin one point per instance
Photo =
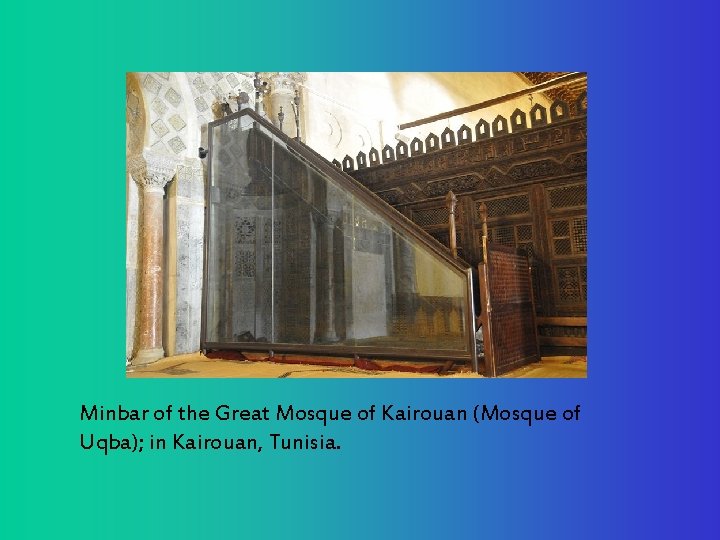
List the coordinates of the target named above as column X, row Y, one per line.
column 198, row 366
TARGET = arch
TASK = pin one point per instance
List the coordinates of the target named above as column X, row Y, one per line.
column 464, row 135
column 401, row 150
column 448, row 138
column 135, row 115
column 388, row 154
column 482, row 130
column 559, row 110
column 416, row 147
column 374, row 156
column 432, row 143
column 499, row 126
column 538, row 115
column 581, row 104
column 518, row 121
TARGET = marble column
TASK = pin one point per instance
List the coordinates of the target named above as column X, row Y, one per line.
column 152, row 171
column 282, row 93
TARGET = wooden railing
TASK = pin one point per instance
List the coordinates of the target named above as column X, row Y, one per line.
column 578, row 323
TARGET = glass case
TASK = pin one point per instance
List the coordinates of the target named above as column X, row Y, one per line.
column 300, row 257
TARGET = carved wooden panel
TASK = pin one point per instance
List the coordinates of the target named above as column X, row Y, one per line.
column 508, row 315
column 533, row 181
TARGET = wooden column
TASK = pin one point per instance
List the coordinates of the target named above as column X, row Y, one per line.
column 451, row 201
column 484, row 240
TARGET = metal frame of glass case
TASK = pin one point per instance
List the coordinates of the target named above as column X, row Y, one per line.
column 398, row 225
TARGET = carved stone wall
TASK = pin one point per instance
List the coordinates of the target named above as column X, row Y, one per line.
column 167, row 114
column 209, row 88
column 185, row 205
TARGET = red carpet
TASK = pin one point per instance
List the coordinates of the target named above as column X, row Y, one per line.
column 360, row 363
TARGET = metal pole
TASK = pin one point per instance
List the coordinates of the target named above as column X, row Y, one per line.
column 296, row 110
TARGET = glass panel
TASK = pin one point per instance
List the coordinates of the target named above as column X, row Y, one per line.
column 295, row 258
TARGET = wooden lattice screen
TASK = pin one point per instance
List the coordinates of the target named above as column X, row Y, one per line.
column 508, row 313
column 531, row 175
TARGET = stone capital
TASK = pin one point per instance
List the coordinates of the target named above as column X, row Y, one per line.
column 152, row 170
column 284, row 82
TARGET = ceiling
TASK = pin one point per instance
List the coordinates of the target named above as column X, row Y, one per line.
column 568, row 93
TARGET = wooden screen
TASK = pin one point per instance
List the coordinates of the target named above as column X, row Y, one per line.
column 508, row 313
column 533, row 182
column 300, row 258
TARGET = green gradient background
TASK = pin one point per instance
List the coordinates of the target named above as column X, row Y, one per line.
column 64, row 261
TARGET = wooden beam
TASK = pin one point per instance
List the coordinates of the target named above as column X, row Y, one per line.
column 563, row 341
column 562, row 321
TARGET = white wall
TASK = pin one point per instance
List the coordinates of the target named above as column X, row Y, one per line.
column 350, row 112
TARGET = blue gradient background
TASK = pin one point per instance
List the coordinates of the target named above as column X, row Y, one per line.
column 643, row 461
